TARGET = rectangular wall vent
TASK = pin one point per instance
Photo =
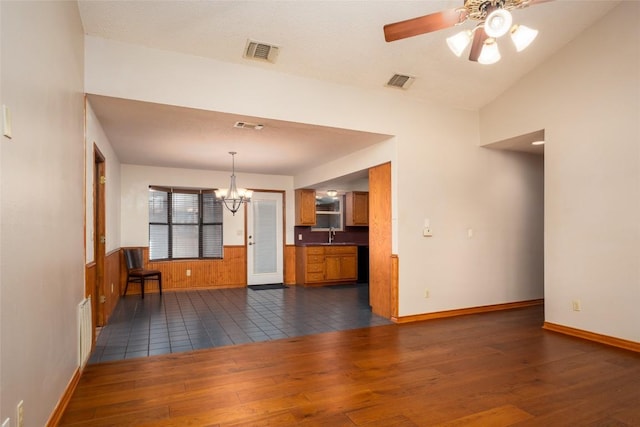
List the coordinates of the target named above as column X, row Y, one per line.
column 261, row 51
column 85, row 332
column 400, row 81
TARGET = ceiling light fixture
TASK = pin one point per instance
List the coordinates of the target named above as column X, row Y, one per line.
column 495, row 21
column 522, row 36
column 490, row 53
column 498, row 23
column 332, row 193
column 459, row 42
column 233, row 197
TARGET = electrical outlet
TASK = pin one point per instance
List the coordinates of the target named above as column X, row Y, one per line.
column 188, row 273
column 426, row 293
column 20, row 414
column 577, row 306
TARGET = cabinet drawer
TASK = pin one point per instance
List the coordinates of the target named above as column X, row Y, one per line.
column 315, row 259
column 315, row 277
column 339, row 250
column 315, row 268
column 315, row 250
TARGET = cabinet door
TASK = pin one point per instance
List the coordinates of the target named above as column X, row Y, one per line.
column 305, row 207
column 348, row 267
column 332, row 269
column 357, row 209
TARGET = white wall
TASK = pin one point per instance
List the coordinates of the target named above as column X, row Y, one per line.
column 41, row 181
column 135, row 198
column 587, row 98
column 95, row 135
column 436, row 165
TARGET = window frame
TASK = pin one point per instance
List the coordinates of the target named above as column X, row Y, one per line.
column 201, row 224
column 338, row 213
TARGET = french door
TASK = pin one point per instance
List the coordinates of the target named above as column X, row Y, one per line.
column 265, row 239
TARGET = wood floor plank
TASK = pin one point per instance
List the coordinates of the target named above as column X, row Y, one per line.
column 485, row 369
column 504, row 416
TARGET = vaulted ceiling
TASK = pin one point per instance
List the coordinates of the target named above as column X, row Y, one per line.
column 335, row 41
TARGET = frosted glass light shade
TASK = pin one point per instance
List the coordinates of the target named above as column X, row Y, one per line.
column 498, row 23
column 459, row 42
column 490, row 53
column 522, row 36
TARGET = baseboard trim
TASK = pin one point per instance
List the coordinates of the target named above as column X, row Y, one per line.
column 466, row 311
column 592, row 336
column 58, row 411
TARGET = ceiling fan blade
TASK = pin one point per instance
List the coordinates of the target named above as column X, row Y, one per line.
column 423, row 24
column 532, row 2
column 478, row 41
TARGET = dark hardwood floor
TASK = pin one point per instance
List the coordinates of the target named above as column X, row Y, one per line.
column 492, row 369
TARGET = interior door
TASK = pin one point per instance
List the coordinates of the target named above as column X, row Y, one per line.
column 265, row 239
column 99, row 236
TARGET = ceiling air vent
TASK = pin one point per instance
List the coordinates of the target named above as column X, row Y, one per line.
column 400, row 81
column 246, row 125
column 261, row 51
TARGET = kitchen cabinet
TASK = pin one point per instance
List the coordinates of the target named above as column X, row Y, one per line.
column 357, row 208
column 341, row 267
column 305, row 200
column 325, row 264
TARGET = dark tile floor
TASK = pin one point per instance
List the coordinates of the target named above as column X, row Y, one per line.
column 190, row 320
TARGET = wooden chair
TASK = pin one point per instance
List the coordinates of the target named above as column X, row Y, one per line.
column 136, row 272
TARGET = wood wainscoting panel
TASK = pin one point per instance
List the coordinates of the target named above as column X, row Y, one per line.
column 395, row 281
column 380, row 279
column 89, row 279
column 229, row 272
column 89, row 290
column 111, row 283
column 289, row 265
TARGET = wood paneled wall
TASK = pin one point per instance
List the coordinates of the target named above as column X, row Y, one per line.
column 289, row 265
column 89, row 289
column 111, row 283
column 380, row 270
column 230, row 272
column 111, row 291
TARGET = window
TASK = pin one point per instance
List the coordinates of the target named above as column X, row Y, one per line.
column 184, row 223
column 328, row 213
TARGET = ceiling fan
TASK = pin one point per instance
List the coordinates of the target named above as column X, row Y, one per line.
column 494, row 20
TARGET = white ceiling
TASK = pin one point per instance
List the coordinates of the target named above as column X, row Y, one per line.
column 332, row 40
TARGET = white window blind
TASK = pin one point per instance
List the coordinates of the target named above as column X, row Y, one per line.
column 184, row 223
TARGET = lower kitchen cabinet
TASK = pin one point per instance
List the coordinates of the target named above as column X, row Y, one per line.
column 321, row 265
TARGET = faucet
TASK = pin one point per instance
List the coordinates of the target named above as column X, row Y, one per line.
column 332, row 234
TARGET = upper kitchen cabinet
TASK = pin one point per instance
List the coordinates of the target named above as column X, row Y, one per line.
column 357, row 208
column 305, row 207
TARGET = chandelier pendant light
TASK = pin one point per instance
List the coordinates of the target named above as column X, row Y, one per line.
column 233, row 197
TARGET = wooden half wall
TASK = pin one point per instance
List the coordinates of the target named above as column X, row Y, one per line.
column 111, row 287
column 381, row 270
column 229, row 272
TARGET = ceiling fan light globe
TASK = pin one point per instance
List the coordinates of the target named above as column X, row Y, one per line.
column 490, row 53
column 498, row 23
column 522, row 36
column 459, row 42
